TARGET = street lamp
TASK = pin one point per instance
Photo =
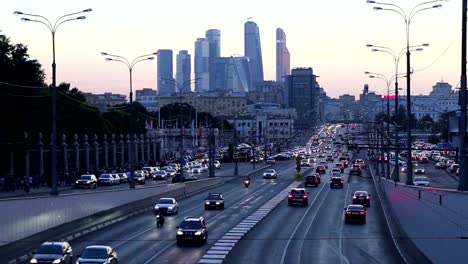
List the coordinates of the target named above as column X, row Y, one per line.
column 181, row 87
column 130, row 65
column 407, row 19
column 53, row 29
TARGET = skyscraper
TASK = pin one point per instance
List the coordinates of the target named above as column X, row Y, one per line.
column 231, row 74
column 202, row 74
column 283, row 66
column 253, row 50
column 165, row 73
column 184, row 68
column 214, row 38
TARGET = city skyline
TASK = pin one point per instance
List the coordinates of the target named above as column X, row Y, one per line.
column 329, row 39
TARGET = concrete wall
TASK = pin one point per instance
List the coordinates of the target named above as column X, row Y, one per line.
column 25, row 217
column 435, row 226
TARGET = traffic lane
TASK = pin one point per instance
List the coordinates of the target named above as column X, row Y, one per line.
column 265, row 243
column 239, row 205
column 128, row 233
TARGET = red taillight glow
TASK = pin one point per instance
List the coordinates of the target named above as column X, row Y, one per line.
column 316, row 180
column 362, row 213
column 304, row 196
column 348, row 212
column 354, row 197
column 342, row 181
column 367, row 197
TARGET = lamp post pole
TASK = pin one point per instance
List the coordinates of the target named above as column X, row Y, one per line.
column 53, row 29
column 130, row 66
column 407, row 19
column 463, row 185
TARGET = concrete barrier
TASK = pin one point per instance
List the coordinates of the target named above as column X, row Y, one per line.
column 26, row 217
column 435, row 220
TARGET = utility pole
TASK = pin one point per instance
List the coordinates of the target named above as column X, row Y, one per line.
column 463, row 186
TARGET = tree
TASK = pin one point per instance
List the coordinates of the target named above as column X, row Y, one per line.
column 426, row 122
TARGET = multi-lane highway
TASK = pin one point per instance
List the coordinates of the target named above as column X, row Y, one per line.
column 317, row 233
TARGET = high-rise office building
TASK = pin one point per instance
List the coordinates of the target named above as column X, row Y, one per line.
column 214, row 39
column 303, row 95
column 184, row 68
column 282, row 56
column 253, row 50
column 202, row 74
column 232, row 74
column 165, row 73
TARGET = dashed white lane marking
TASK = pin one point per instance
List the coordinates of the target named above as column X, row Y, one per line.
column 218, row 252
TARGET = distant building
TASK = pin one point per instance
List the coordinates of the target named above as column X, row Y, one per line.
column 184, row 68
column 303, row 95
column 216, row 105
column 231, row 74
column 283, row 67
column 148, row 98
column 268, row 92
column 202, row 73
column 213, row 36
column 103, row 101
column 253, row 50
column 166, row 85
column 347, row 99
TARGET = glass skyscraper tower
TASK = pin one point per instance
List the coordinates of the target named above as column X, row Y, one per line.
column 253, row 50
column 184, row 68
column 165, row 73
column 283, row 66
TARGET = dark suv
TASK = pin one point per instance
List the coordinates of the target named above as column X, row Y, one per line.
column 192, row 229
column 214, row 200
column 53, row 252
column 336, row 182
column 298, row 195
column 312, row 180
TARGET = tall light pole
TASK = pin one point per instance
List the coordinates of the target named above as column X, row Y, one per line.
column 463, row 186
column 130, row 66
column 396, row 59
column 181, row 87
column 53, row 29
column 407, row 19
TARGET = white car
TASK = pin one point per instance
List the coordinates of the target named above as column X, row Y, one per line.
column 159, row 175
column 170, row 172
column 166, row 206
column 197, row 169
column 421, row 181
column 217, row 164
column 269, row 174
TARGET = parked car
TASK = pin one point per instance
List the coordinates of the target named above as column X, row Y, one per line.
column 53, row 252
column 123, row 177
column 97, row 254
column 86, row 181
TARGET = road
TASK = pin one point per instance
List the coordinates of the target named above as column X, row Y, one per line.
column 317, row 233
column 137, row 240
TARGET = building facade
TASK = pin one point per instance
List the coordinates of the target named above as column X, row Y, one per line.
column 183, row 71
column 166, row 85
column 283, row 63
column 303, row 95
column 105, row 100
column 253, row 50
column 214, row 39
column 202, row 73
column 268, row 92
column 148, row 98
column 231, row 74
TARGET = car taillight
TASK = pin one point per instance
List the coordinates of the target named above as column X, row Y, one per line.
column 290, row 196
column 362, row 213
column 304, row 196
column 354, row 197
column 342, row 181
column 348, row 212
column 367, row 197
column 316, row 180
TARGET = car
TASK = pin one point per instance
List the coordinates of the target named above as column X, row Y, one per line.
column 339, row 166
column 86, row 181
column 123, row 177
column 271, row 160
column 324, row 163
column 424, row 160
column 150, row 170
column 336, row 181
column 269, row 174
column 298, row 195
column 330, row 158
column 440, row 165
column 170, row 172
column 106, row 179
column 421, row 181
column 192, row 229
column 360, row 162
column 355, row 212
column 197, row 169
column 139, row 178
column 305, row 163
column 335, row 170
column 312, row 180
column 355, row 169
column 166, row 206
column 419, row 171
column 97, row 254
column 217, row 164
column 53, row 253
column 159, row 175
column 361, row 197
column 321, row 169
column 214, row 200
column 321, row 155
column 453, row 168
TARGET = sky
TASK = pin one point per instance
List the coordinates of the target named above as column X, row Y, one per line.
column 330, row 36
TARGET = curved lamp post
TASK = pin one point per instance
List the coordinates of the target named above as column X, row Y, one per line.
column 407, row 17
column 130, row 66
column 53, row 27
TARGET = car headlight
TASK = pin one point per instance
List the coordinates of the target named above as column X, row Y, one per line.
column 180, row 233
column 217, row 203
column 88, row 181
column 156, row 207
column 57, row 261
column 75, row 183
column 170, row 207
column 198, row 233
column 207, row 202
column 33, row 260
